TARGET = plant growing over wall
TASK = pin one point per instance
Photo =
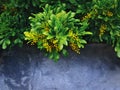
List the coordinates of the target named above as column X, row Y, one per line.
column 54, row 29
column 104, row 19
column 62, row 25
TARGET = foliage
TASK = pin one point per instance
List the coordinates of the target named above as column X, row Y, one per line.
column 54, row 29
column 104, row 19
column 11, row 27
column 14, row 21
column 101, row 17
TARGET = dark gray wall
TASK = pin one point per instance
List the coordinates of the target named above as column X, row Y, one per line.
column 96, row 68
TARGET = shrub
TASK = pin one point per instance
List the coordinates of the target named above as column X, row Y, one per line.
column 14, row 21
column 62, row 22
column 11, row 28
column 14, row 17
column 104, row 22
column 54, row 29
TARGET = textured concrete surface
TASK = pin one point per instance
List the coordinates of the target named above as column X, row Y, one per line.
column 96, row 68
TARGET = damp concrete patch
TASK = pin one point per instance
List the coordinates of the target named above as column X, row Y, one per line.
column 26, row 68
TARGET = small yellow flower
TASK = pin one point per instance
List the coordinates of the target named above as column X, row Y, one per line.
column 33, row 42
column 86, row 16
column 46, row 29
column 44, row 41
column 47, row 47
column 102, row 29
column 75, row 47
column 109, row 14
column 56, row 47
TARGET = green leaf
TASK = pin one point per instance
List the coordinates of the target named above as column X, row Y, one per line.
column 83, row 41
column 50, row 37
column 7, row 41
column 118, row 54
column 51, row 55
column 63, row 40
column 56, row 57
column 73, row 1
column 39, row 45
column 45, row 33
column 1, row 36
column 1, row 41
column 16, row 41
column 4, row 46
column 13, row 33
column 60, row 46
column 117, row 49
column 64, row 52
column 88, row 33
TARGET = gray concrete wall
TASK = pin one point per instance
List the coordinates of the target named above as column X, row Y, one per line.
column 96, row 68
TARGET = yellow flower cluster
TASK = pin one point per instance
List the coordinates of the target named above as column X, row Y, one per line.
column 33, row 37
column 46, row 28
column 33, row 42
column 109, row 13
column 50, row 45
column 47, row 47
column 102, row 29
column 73, row 35
column 86, row 16
column 54, row 44
column 56, row 47
column 76, row 39
column 75, row 47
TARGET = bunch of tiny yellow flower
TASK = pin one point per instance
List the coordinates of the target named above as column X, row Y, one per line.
column 88, row 16
column 103, row 27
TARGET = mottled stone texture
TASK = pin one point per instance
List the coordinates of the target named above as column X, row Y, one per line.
column 96, row 68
